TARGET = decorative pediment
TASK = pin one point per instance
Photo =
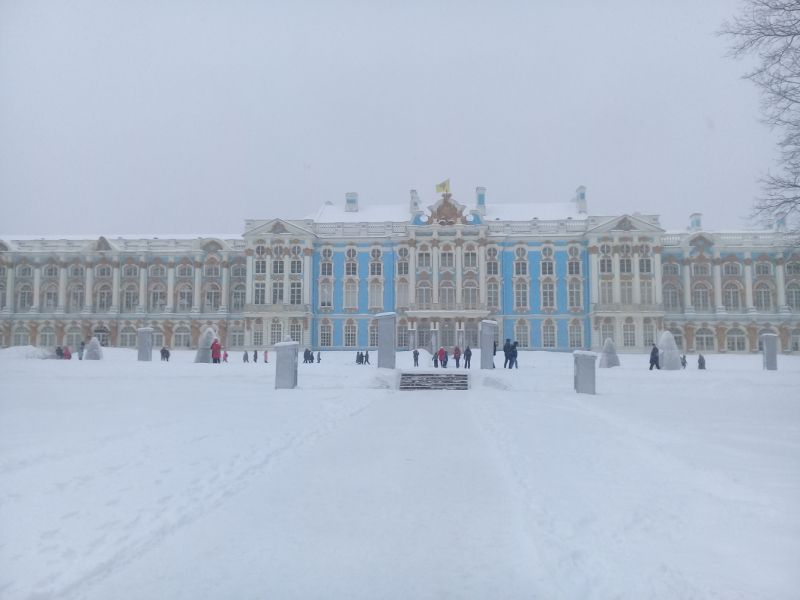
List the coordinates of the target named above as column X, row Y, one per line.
column 277, row 227
column 211, row 245
column 101, row 245
column 446, row 212
column 626, row 223
column 701, row 243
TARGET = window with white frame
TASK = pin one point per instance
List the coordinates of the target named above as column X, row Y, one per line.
column 671, row 270
column 470, row 296
column 606, row 266
column 548, row 295
column 548, row 336
column 547, row 266
column 185, row 298
column 326, row 295
column 521, row 267
column 75, row 337
column 50, row 271
column 297, row 250
column 351, row 269
column 212, row 298
column 185, row 270
column 326, row 269
column 574, row 295
column 423, row 259
column 628, row 334
column 102, row 335
column 261, row 250
column 277, row 292
column 235, row 337
column 701, row 269
column 259, row 292
column 296, row 267
column 212, row 270
column 606, row 291
column 239, row 295
column 645, row 265
column 403, row 253
column 50, row 297
column 575, row 336
column 735, row 340
column 573, row 267
column 793, row 296
column 447, row 295
column 327, row 253
column 606, row 332
column 704, row 340
column 277, row 252
column 258, row 334
column 625, row 249
column 446, row 260
column 130, row 298
column 351, row 254
column 350, row 296
column 373, row 335
column 260, row 267
column 792, row 268
column 402, row 336
column 376, row 269
column 2, row 272
column 275, row 333
column 493, row 295
column 104, row 299
column 127, row 337
column 24, row 271
column 625, row 265
column 521, row 335
column 671, row 297
column 130, row 271
column 74, row 271
column 492, row 267
column 763, row 297
column 763, row 268
column 375, row 294
column 402, row 294
column 277, row 266
column 626, row 291
column 296, row 332
column 424, row 294
column 21, row 337
column 326, row 335
column 470, row 259
column 732, row 297
column 295, row 292
column 402, row 268
column 701, row 295
column 574, row 252
column 47, row 337
column 731, row 269
column 2, row 297
column 350, row 335
column 646, row 291
column 241, row 271
column 77, row 298
column 158, row 297
column 520, row 295
column 649, row 334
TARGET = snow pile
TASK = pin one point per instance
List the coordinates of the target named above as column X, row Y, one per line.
column 204, row 346
column 93, row 350
column 669, row 358
column 608, row 356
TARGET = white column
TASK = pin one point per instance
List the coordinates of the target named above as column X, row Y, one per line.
column 657, row 277
column 142, row 308
column 286, row 265
column 114, row 309
column 248, row 281
column 412, row 274
column 170, row 307
column 687, row 287
column 307, row 278
column 459, row 263
column 223, row 303
column 615, row 284
column 10, row 296
column 435, row 273
column 637, row 290
column 482, row 273
column 748, row 284
column 198, row 283
column 594, row 278
column 88, row 297
column 719, row 307
column 62, row 285
column 780, row 280
column 268, row 282
column 37, row 285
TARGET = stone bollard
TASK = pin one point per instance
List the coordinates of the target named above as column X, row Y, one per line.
column 286, row 364
column 770, row 341
column 488, row 332
column 387, row 339
column 145, row 343
column 584, row 371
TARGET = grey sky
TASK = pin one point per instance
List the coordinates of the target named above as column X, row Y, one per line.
column 182, row 117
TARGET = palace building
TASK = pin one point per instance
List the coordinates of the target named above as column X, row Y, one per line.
column 553, row 275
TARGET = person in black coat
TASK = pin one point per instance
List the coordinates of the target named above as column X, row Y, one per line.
column 654, row 358
column 366, row 357
column 416, row 357
column 59, row 352
column 514, row 364
column 683, row 361
column 319, row 357
column 507, row 363
column 255, row 356
column 701, row 362
column 246, row 357
column 467, row 357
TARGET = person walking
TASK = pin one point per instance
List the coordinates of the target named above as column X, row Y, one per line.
column 166, row 353
column 359, row 358
column 416, row 357
column 246, row 357
column 683, row 361
column 162, row 353
column 216, row 352
column 319, row 357
column 255, row 356
column 265, row 357
column 467, row 357
column 441, row 357
column 701, row 362
column 59, row 353
column 435, row 360
column 514, row 363
column 654, row 358
column 80, row 352
column 507, row 353
column 457, row 355
column 66, row 354
column 366, row 357
column 225, row 356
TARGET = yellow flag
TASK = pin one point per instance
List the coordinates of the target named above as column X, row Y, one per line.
column 443, row 187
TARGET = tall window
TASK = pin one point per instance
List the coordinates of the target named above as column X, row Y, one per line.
column 625, row 265
column 212, row 298
column 470, row 259
column 75, row 337
column 628, row 334
column 763, row 297
column 351, row 269
column 606, row 332
column 350, row 335
column 575, row 295
column 606, row 266
column 260, row 267
column 423, row 259
column 239, row 295
column 212, row 271
column 649, row 334
column 402, row 336
column 547, row 267
column 127, row 337
column 704, row 340
column 277, row 266
column 130, row 298
column 103, row 298
column 732, row 297
column 492, row 267
column 402, row 268
column 735, row 340
column 493, row 295
column 295, row 292
column 2, row 294
column 185, row 298
column 521, row 295
column 446, row 260
column 326, row 295
column 793, row 296
column 701, row 297
column 606, row 291
column 260, row 292
column 402, row 294
column 521, row 336
column 277, row 292
column 296, row 332
column 47, row 337
column 50, row 298
column 574, row 267
column 424, row 295
column 548, row 295
column 158, row 297
column 645, row 265
column 350, row 295
column 375, row 295
column 646, row 291
column 181, row 337
column 672, row 300
column 575, row 336
column 373, row 335
column 275, row 333
column 626, row 292
column 326, row 269
column 375, row 269
column 296, row 267
column 326, row 335
column 258, row 334
column 470, row 296
column 548, row 336
column 21, row 336
column 447, row 295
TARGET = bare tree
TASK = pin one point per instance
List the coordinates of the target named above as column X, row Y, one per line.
column 770, row 29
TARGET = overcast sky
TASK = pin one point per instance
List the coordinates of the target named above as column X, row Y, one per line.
column 190, row 116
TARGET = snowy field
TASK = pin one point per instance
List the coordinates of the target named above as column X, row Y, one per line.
column 125, row 480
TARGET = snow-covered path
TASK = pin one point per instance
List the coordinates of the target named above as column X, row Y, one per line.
column 133, row 480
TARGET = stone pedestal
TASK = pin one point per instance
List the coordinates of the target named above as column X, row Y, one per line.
column 584, row 371
column 770, row 341
column 145, row 343
column 387, row 339
column 204, row 346
column 286, row 365
column 488, row 330
column 93, row 351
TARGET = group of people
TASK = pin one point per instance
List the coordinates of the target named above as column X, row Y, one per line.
column 654, row 361
column 246, row 357
column 308, row 356
column 442, row 357
column 362, row 358
column 510, row 351
column 65, row 354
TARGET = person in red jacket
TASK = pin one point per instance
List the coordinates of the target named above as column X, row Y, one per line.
column 216, row 351
column 67, row 354
column 224, row 356
column 457, row 355
column 441, row 356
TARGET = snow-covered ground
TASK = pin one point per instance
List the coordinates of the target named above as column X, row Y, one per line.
column 130, row 480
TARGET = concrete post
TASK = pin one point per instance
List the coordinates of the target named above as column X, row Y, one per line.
column 488, row 329
column 286, row 364
column 770, row 341
column 584, row 371
column 387, row 339
column 145, row 343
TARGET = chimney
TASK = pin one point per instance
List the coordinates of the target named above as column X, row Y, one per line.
column 414, row 207
column 696, row 223
column 580, row 199
column 351, row 202
column 480, row 200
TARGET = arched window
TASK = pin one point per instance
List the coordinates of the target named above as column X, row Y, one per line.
column 704, row 340
column 702, row 297
column 447, row 295
column 185, row 298
column 238, row 296
column 212, row 270
column 158, row 297
column 76, row 271
column 50, row 271
column 158, row 271
column 763, row 268
column 74, row 337
column 47, row 337
column 77, row 298
column 793, row 296
column 235, row 337
column 130, row 271
column 158, row 337
column 127, row 337
column 212, row 298
column 182, row 337
column 102, row 271
column 275, row 333
column 793, row 268
column 239, row 271
column 735, row 340
column 731, row 269
column 21, row 337
column 104, row 299
column 763, row 297
column 49, row 297
column 24, row 271
column 671, row 269
column 185, row 270
column 101, row 333
column 424, row 295
column 470, row 295
column 732, row 297
column 24, row 298
column 130, row 297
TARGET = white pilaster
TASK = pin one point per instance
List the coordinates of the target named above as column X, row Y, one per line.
column 594, row 279
column 286, row 267
column 114, row 309
column 198, row 283
column 37, row 286
column 615, row 283
column 268, row 282
column 88, row 297
column 142, row 308
column 248, row 282
column 748, row 284
column 62, row 285
column 657, row 277
column 459, row 262
column 482, row 273
column 719, row 307
column 435, row 273
column 170, row 307
column 307, row 279
column 780, row 280
column 687, row 289
column 10, row 296
column 223, row 302
column 637, row 290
